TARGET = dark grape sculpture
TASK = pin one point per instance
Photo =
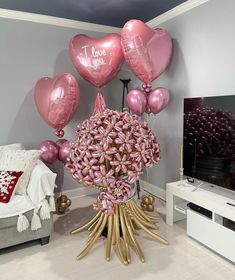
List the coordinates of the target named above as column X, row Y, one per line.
column 210, row 132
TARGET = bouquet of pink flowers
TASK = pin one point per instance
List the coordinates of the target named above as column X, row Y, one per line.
column 110, row 152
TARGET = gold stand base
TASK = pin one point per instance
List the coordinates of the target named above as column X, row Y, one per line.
column 128, row 217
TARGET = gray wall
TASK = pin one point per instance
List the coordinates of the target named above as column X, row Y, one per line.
column 203, row 64
column 29, row 51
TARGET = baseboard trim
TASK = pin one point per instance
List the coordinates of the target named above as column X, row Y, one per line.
column 178, row 10
column 153, row 189
column 37, row 18
column 80, row 191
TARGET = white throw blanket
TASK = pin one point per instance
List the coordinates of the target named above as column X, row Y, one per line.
column 18, row 204
column 40, row 187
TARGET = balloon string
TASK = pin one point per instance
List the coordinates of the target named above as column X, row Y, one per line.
column 100, row 105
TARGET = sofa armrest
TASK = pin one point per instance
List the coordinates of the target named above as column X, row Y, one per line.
column 41, row 183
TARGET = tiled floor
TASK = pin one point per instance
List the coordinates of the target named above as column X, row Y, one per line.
column 183, row 259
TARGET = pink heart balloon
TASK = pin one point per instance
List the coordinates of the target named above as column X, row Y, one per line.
column 57, row 100
column 146, row 51
column 158, row 99
column 136, row 101
column 97, row 60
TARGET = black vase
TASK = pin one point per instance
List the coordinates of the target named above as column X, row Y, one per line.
column 232, row 174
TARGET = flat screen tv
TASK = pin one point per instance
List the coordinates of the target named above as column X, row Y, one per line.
column 209, row 140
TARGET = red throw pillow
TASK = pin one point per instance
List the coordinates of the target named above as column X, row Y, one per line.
column 8, row 181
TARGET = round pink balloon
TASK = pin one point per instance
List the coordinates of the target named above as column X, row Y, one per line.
column 97, row 60
column 158, row 99
column 57, row 100
column 146, row 51
column 166, row 96
column 64, row 151
column 60, row 142
column 136, row 101
column 49, row 151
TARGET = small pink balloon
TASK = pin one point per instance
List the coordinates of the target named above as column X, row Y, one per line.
column 49, row 151
column 57, row 100
column 144, row 86
column 137, row 101
column 147, row 90
column 97, row 60
column 59, row 133
column 64, row 151
column 158, row 99
column 146, row 51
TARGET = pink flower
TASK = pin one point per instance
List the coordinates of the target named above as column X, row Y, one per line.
column 86, row 180
column 103, row 177
column 118, row 191
column 104, row 152
column 121, row 163
column 125, row 141
column 105, row 204
column 88, row 166
column 104, row 134
column 140, row 153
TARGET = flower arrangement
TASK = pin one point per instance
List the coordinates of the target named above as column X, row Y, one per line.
column 110, row 152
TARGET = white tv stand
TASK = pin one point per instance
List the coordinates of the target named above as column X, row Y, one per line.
column 209, row 231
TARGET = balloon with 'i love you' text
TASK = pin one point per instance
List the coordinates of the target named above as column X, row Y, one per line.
column 97, row 60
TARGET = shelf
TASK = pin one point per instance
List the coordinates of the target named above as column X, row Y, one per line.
column 182, row 207
column 211, row 200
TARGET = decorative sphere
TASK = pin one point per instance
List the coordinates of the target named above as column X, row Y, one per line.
column 68, row 202
column 63, row 198
column 143, row 206
column 150, row 208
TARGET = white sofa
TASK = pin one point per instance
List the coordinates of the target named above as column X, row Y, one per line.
column 28, row 216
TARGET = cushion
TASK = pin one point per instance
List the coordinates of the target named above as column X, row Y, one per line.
column 8, row 181
column 16, row 146
column 20, row 160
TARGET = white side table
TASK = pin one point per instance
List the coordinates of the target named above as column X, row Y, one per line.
column 211, row 232
column 212, row 199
